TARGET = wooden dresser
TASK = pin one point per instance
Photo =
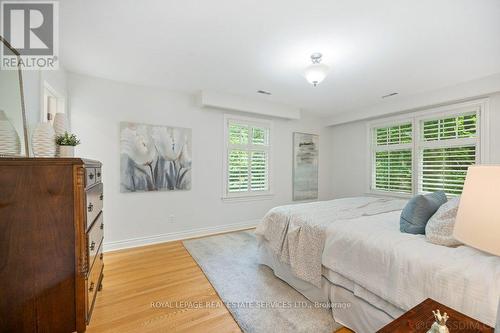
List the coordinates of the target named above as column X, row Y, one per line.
column 51, row 236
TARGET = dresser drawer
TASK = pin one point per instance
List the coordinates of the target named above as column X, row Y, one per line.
column 94, row 239
column 90, row 176
column 94, row 200
column 93, row 282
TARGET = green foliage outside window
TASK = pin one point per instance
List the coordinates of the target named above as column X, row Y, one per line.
column 247, row 162
column 441, row 166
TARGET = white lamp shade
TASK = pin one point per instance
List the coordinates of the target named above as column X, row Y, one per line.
column 478, row 217
column 497, row 327
column 316, row 73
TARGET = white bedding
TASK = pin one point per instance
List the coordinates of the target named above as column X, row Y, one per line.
column 296, row 233
column 405, row 269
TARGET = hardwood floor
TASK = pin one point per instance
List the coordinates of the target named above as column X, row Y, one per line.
column 158, row 288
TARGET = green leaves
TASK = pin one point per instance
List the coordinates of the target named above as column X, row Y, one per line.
column 67, row 139
column 393, row 171
column 394, row 135
column 459, row 127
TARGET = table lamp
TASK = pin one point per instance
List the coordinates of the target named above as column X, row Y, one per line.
column 478, row 217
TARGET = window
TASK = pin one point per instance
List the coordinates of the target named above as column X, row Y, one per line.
column 393, row 158
column 247, row 157
column 425, row 152
column 448, row 148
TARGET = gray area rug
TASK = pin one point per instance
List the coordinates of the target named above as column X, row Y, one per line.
column 259, row 301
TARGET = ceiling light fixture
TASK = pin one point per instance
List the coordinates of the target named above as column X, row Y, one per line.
column 316, row 72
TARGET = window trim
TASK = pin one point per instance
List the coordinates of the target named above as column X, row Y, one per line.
column 246, row 196
column 481, row 106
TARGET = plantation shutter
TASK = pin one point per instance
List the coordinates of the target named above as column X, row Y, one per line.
column 247, row 158
column 393, row 158
column 448, row 147
column 258, row 171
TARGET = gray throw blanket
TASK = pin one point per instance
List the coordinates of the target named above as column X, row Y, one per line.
column 296, row 233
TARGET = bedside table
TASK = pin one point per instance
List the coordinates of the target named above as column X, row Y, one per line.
column 420, row 319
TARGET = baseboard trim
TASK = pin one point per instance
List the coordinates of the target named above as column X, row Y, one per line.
column 178, row 235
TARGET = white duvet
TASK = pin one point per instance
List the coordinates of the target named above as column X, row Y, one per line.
column 405, row 269
column 296, row 233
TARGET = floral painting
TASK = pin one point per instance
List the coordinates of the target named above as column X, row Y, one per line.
column 154, row 158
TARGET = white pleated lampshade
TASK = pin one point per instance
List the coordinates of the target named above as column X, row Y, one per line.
column 478, row 217
column 60, row 123
column 497, row 329
column 10, row 144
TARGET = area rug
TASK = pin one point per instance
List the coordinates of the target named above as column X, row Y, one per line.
column 259, row 301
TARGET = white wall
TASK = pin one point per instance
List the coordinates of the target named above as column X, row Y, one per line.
column 33, row 81
column 462, row 91
column 97, row 107
column 350, row 162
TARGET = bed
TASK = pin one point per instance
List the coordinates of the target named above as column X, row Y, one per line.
column 365, row 262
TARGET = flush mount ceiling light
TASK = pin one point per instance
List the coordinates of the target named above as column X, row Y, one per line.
column 316, row 72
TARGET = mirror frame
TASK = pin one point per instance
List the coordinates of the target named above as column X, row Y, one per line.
column 23, row 109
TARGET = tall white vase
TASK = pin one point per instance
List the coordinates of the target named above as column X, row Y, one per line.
column 43, row 141
column 60, row 123
column 10, row 144
column 60, row 127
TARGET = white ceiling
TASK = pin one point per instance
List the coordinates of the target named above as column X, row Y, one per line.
column 240, row 46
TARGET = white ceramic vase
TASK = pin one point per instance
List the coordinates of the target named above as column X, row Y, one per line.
column 66, row 151
column 10, row 144
column 60, row 123
column 43, row 141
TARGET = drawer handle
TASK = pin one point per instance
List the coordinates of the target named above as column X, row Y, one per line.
column 91, row 176
column 102, row 226
column 92, row 246
column 91, row 288
column 98, row 175
column 90, row 207
column 101, row 256
column 101, row 196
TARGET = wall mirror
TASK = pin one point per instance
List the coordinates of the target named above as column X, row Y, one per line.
column 13, row 130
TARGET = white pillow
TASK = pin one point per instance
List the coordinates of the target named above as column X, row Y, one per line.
column 439, row 229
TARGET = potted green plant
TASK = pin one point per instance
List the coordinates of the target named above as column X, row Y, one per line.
column 67, row 143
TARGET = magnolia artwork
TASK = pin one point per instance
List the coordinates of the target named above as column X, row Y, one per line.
column 154, row 158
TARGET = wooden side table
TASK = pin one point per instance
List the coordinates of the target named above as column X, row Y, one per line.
column 420, row 319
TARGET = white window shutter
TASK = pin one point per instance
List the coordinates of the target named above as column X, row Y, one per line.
column 248, row 155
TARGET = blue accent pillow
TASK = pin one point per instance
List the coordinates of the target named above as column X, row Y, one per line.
column 419, row 210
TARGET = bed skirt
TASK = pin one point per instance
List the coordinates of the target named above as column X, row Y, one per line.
column 348, row 309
